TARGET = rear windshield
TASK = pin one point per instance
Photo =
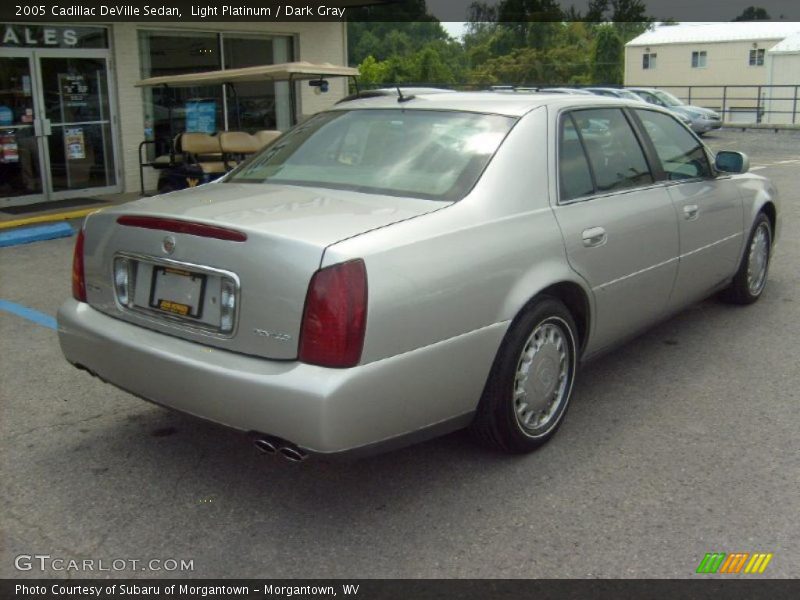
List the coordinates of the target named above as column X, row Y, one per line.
column 428, row 154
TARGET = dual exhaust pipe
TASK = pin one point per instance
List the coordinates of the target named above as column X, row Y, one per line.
column 271, row 445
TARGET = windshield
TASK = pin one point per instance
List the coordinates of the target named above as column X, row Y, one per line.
column 428, row 154
column 667, row 98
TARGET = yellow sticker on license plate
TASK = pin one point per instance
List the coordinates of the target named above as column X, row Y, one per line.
column 174, row 307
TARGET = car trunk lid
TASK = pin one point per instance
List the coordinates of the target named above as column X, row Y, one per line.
column 185, row 254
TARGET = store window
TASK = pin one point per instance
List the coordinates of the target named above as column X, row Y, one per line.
column 253, row 106
column 248, row 106
column 171, row 111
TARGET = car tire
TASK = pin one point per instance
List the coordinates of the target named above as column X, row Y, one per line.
column 750, row 280
column 529, row 387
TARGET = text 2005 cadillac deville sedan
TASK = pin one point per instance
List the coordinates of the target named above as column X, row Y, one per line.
column 396, row 268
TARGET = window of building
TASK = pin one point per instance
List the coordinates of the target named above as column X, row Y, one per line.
column 699, row 59
column 249, row 107
column 757, row 57
column 649, row 60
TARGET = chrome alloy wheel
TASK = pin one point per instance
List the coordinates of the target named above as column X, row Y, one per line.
column 758, row 260
column 542, row 380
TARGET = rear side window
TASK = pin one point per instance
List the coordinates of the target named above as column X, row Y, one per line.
column 573, row 168
column 681, row 155
column 616, row 158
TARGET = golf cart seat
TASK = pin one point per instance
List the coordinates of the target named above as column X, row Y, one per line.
column 170, row 159
column 236, row 146
column 266, row 136
column 203, row 150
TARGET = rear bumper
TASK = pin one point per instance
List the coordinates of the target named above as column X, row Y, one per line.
column 325, row 411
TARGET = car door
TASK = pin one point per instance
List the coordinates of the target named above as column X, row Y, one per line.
column 709, row 208
column 619, row 226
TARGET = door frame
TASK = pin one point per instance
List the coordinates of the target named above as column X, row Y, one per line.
column 48, row 194
column 44, row 173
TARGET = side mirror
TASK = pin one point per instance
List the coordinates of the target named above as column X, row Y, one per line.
column 732, row 162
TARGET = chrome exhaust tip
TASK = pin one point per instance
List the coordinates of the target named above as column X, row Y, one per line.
column 292, row 454
column 265, row 446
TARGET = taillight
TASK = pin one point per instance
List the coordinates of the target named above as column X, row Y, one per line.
column 78, row 275
column 335, row 316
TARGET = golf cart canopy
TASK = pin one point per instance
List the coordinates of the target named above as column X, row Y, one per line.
column 281, row 72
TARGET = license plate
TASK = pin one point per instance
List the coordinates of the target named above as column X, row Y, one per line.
column 178, row 292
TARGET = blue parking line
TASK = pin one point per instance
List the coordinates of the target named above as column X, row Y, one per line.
column 28, row 313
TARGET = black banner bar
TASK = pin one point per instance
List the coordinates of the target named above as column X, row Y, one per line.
column 734, row 588
column 110, row 11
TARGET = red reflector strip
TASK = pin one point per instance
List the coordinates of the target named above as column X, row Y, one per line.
column 187, row 227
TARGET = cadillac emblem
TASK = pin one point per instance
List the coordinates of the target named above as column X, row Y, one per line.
column 168, row 245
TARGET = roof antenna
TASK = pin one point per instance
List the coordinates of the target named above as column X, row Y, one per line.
column 400, row 97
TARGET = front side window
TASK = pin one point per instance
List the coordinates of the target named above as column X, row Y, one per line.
column 437, row 155
column 681, row 154
column 649, row 60
column 617, row 159
column 699, row 59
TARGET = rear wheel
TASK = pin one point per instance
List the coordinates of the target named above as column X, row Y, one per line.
column 530, row 384
column 750, row 280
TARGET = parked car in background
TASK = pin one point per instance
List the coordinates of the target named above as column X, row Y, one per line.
column 629, row 95
column 702, row 120
column 615, row 93
column 564, row 90
column 392, row 271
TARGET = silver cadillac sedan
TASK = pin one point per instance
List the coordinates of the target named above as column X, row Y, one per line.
column 399, row 267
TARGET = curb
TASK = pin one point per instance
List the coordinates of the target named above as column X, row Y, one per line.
column 62, row 216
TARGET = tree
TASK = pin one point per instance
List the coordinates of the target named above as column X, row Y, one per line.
column 607, row 57
column 752, row 13
column 630, row 18
column 596, row 10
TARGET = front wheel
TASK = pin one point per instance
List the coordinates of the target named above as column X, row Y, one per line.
column 530, row 384
column 750, row 280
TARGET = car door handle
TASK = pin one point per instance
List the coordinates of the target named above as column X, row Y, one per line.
column 690, row 212
column 594, row 236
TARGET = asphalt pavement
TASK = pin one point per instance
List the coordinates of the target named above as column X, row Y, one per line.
column 682, row 442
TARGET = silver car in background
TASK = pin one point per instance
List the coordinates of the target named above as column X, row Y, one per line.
column 700, row 119
column 397, row 268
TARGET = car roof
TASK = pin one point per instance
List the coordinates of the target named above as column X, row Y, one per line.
column 501, row 103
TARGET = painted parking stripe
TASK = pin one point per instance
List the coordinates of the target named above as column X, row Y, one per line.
column 28, row 313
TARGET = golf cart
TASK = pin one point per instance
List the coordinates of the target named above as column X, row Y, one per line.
column 199, row 153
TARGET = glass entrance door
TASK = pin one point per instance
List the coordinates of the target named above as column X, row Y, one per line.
column 21, row 179
column 56, row 130
column 77, row 115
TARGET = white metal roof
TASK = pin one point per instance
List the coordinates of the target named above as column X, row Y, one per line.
column 736, row 31
column 297, row 70
column 790, row 45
